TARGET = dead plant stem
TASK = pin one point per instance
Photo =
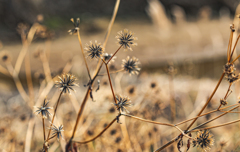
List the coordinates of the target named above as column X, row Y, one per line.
column 87, row 141
column 80, row 112
column 209, row 99
column 110, row 82
column 80, row 42
column 44, row 135
column 54, row 114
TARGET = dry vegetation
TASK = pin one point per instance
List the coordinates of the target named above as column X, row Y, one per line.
column 113, row 106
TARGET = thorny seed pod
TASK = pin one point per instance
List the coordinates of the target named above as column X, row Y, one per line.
column 66, row 82
column 122, row 103
column 126, row 39
column 204, row 140
column 57, row 131
column 44, row 109
column 131, row 65
column 94, row 50
column 76, row 25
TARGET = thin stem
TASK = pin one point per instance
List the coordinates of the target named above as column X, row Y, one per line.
column 213, row 119
column 109, row 29
column 166, row 145
column 114, row 54
column 205, row 114
column 235, row 59
column 110, row 82
column 87, row 141
column 111, row 22
column 80, row 42
column 172, row 99
column 55, row 110
column 46, row 67
column 29, row 77
column 44, row 136
column 225, row 124
column 225, row 95
column 80, row 111
column 234, row 47
column 29, row 134
column 4, row 71
column 149, row 121
column 154, row 122
column 209, row 99
column 183, row 132
column 97, row 72
column 18, row 84
column 111, row 72
column 52, row 137
column 24, row 50
column 231, row 112
column 229, row 45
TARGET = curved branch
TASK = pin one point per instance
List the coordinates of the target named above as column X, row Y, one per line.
column 87, row 141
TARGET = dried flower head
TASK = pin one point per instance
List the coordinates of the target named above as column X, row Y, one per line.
column 223, row 101
column 57, row 131
column 232, row 77
column 229, row 68
column 107, row 56
column 94, row 50
column 76, row 25
column 66, row 82
column 44, row 109
column 204, row 140
column 122, row 103
column 131, row 65
column 125, row 39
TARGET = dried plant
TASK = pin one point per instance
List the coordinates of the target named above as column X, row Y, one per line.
column 66, row 83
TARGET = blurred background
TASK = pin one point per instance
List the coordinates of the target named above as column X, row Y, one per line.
column 182, row 46
column 183, row 32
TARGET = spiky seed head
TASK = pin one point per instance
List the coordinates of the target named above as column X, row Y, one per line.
column 44, row 110
column 122, row 103
column 125, row 39
column 76, row 25
column 204, row 140
column 66, row 82
column 130, row 65
column 94, row 50
column 57, row 131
